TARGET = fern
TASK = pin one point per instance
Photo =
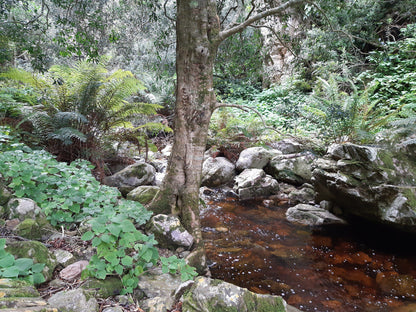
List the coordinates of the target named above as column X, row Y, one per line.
column 82, row 104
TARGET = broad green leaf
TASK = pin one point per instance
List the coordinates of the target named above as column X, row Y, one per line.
column 10, row 272
column 88, row 236
column 38, row 267
column 23, row 264
column 7, row 261
column 127, row 260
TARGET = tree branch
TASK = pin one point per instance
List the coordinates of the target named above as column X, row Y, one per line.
column 240, row 27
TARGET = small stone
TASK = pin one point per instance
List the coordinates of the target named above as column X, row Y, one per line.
column 64, row 257
column 73, row 271
column 113, row 309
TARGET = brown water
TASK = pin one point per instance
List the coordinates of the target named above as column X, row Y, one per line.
column 333, row 268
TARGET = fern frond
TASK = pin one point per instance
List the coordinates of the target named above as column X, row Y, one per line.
column 67, row 134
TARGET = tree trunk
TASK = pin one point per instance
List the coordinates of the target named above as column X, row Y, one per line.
column 197, row 29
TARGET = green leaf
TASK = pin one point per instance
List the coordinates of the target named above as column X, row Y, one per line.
column 127, row 260
column 119, row 269
column 38, row 278
column 10, row 272
column 7, row 261
column 38, row 267
column 96, row 241
column 127, row 226
column 114, row 229
column 2, row 243
column 23, row 264
column 88, row 236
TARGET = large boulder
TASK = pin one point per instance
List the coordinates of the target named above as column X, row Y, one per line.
column 169, row 232
column 311, row 215
column 370, row 183
column 217, row 171
column 288, row 146
column 37, row 229
column 253, row 183
column 218, row 296
column 143, row 194
column 292, row 168
column 36, row 251
column 131, row 177
column 22, row 208
column 254, row 158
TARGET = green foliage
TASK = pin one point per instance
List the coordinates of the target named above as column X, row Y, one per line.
column 80, row 107
column 239, row 66
column 392, row 82
column 70, row 194
column 19, row 268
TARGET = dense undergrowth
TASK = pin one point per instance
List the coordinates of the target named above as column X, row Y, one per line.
column 336, row 107
column 69, row 194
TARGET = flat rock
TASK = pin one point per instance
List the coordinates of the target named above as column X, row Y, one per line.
column 311, row 215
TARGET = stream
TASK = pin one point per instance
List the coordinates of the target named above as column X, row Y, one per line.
column 327, row 268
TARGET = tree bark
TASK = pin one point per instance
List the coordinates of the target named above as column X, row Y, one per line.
column 197, row 29
column 198, row 37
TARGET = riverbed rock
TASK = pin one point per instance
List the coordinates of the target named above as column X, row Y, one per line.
column 218, row 296
column 76, row 300
column 169, row 232
column 288, row 146
column 143, row 194
column 154, row 286
column 22, row 208
column 217, row 171
column 295, row 169
column 36, row 251
column 253, row 183
column 371, row 183
column 311, row 215
column 304, row 195
column 254, row 158
column 131, row 177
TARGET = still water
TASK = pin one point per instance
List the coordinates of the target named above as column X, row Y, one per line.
column 332, row 268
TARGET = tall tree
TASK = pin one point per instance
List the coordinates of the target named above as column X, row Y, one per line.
column 199, row 34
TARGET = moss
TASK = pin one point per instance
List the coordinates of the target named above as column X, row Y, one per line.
column 109, row 287
column 37, row 229
column 410, row 194
column 12, row 283
column 262, row 303
column 25, row 291
column 36, row 251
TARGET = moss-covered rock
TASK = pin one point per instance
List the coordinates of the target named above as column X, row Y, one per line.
column 218, row 296
column 143, row 194
column 131, row 177
column 24, row 208
column 5, row 194
column 169, row 232
column 36, row 251
column 374, row 184
column 36, row 229
column 109, row 287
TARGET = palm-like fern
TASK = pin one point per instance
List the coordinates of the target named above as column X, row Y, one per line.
column 82, row 104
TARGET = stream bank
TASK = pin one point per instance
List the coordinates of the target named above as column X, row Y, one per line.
column 314, row 268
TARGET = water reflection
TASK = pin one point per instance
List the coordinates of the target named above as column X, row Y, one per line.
column 314, row 269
